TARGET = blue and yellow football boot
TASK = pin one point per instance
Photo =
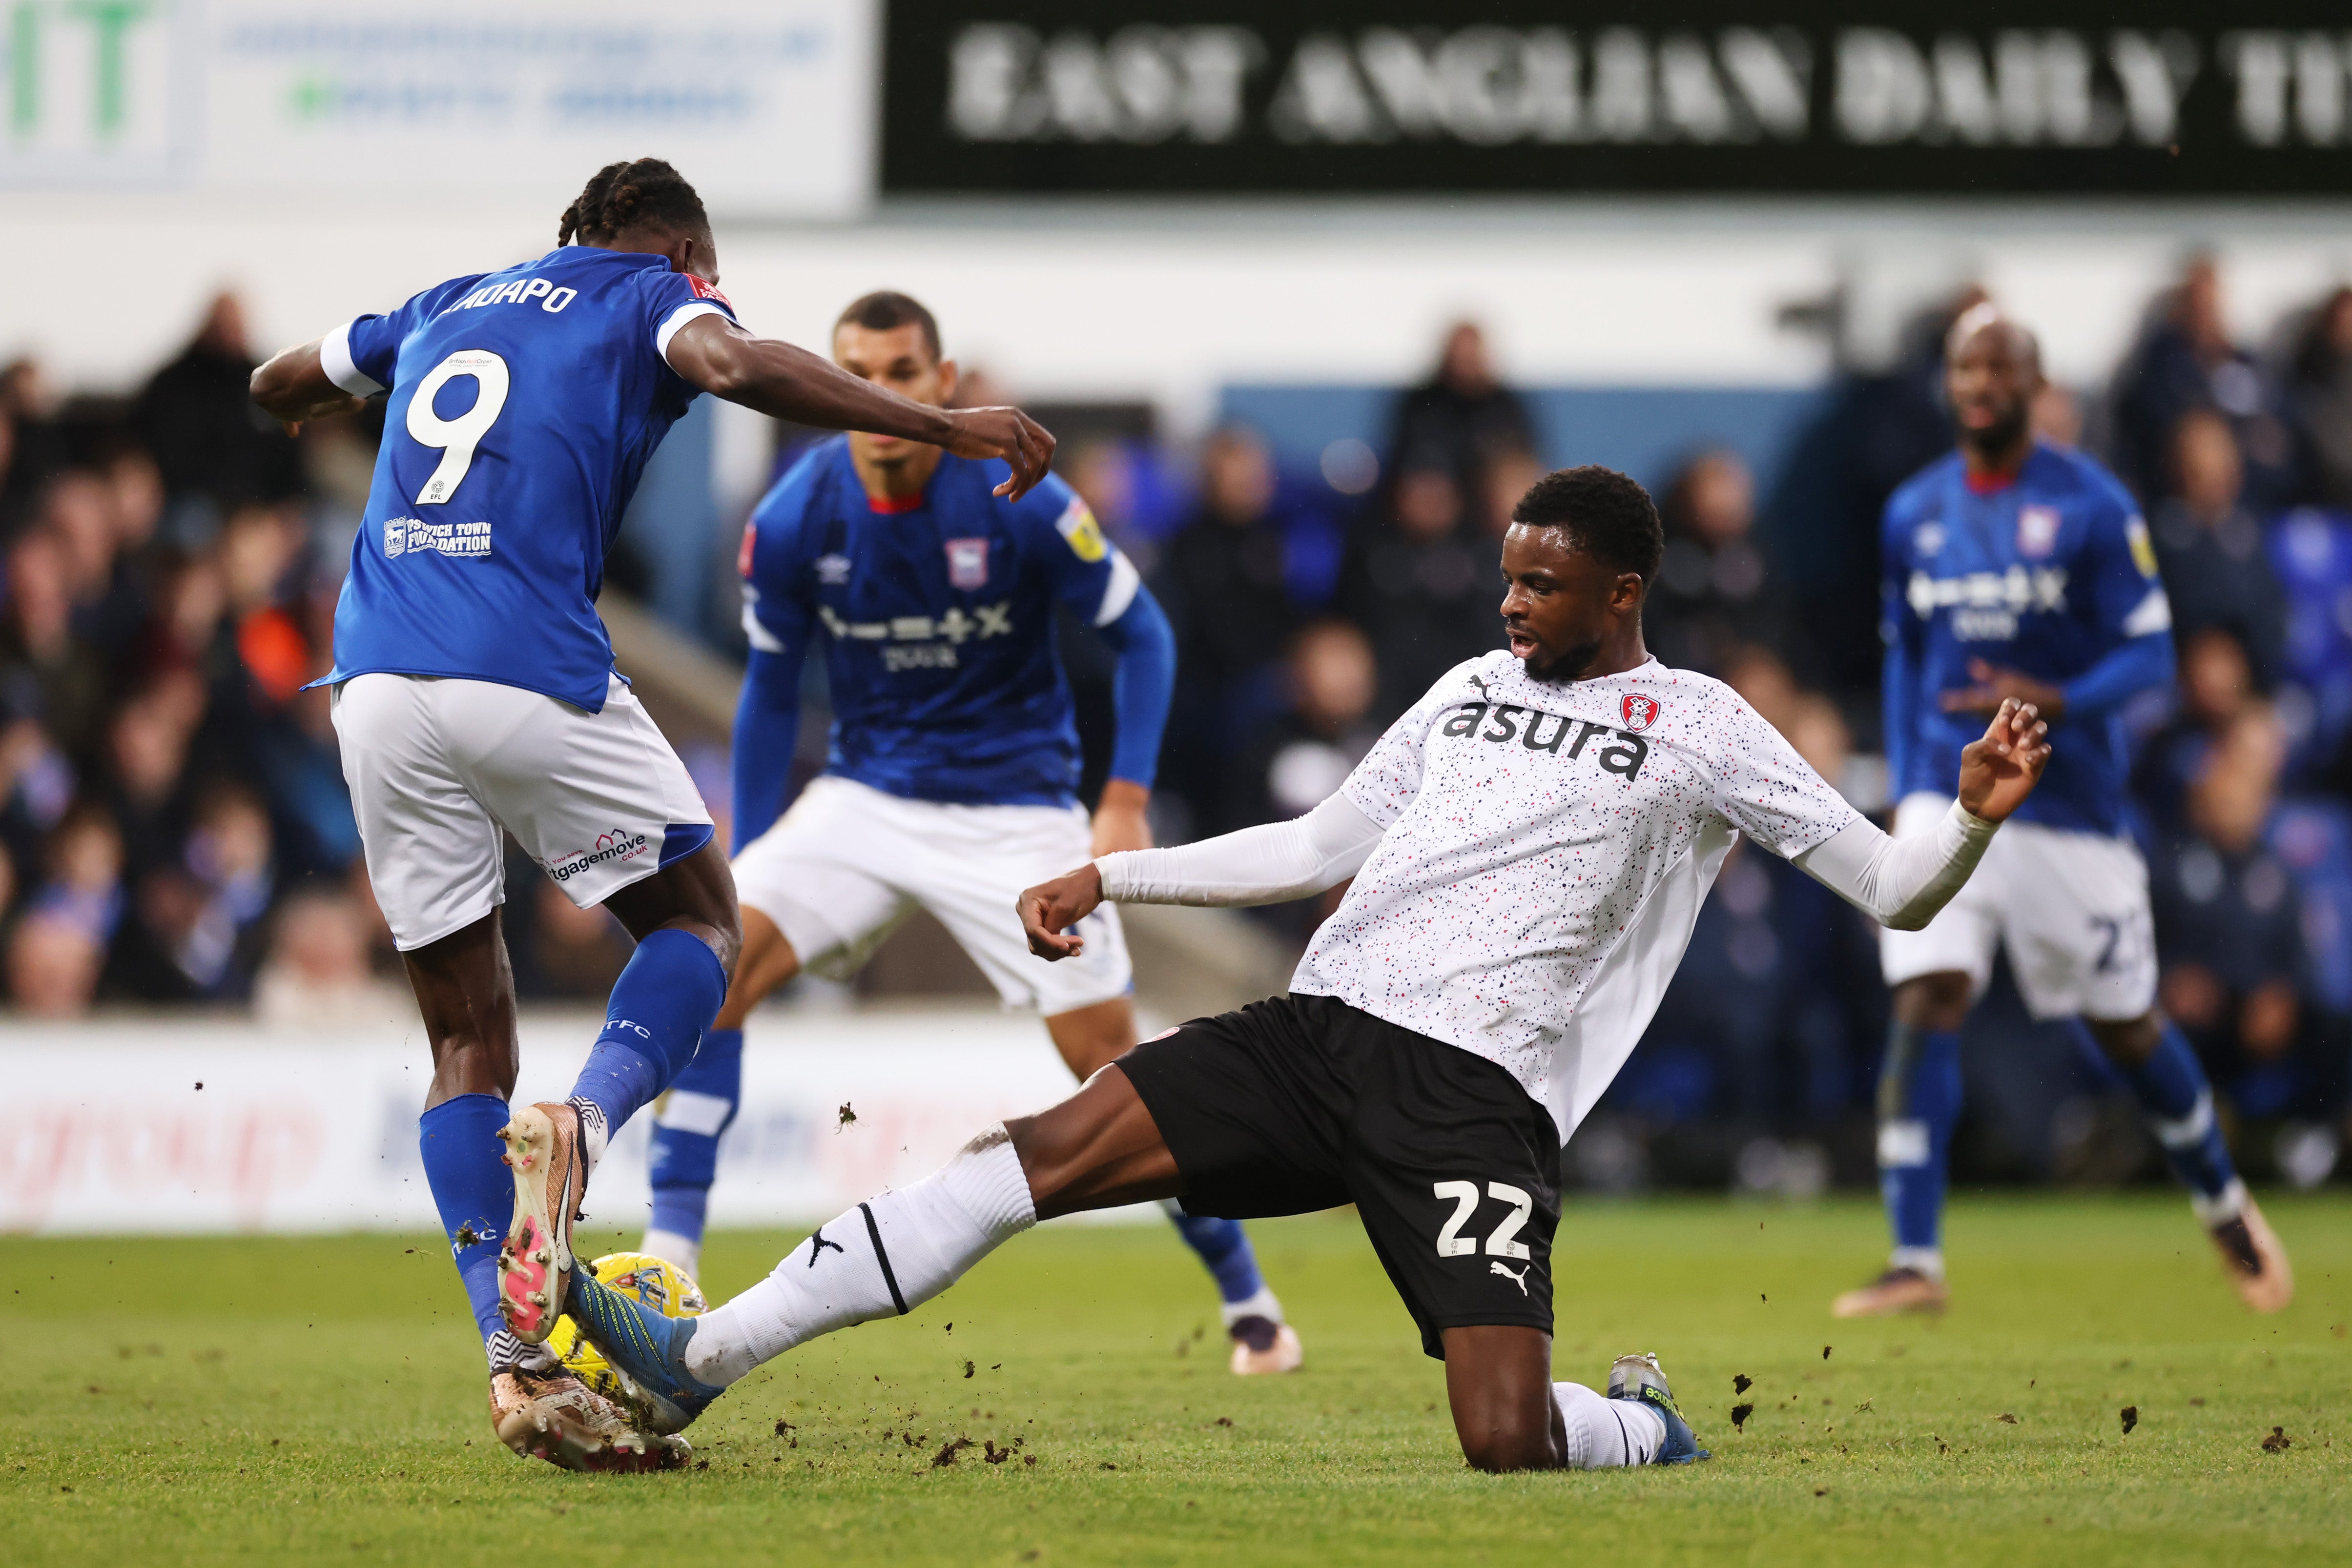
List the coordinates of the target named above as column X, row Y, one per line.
column 1638, row 1378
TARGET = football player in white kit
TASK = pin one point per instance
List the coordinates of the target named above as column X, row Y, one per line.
column 1530, row 846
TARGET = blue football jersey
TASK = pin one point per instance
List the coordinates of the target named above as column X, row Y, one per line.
column 938, row 620
column 2047, row 575
column 523, row 406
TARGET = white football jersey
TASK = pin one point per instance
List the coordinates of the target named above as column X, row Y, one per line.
column 1547, row 849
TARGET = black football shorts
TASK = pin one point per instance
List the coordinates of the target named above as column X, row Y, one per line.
column 1303, row 1103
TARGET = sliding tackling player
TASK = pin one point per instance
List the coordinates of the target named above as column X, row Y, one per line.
column 1530, row 846
column 951, row 782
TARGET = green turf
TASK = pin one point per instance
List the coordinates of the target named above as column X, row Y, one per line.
column 182, row 1402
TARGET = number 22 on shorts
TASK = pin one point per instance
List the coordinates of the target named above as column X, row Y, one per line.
column 1464, row 1196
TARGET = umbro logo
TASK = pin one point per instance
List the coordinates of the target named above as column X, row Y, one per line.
column 832, row 570
column 1519, row 1279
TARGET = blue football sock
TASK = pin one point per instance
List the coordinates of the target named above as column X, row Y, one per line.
column 474, row 1192
column 685, row 1154
column 1918, row 1106
column 2178, row 1102
column 661, row 1004
column 1224, row 1247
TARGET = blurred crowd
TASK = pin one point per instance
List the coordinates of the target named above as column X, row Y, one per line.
column 175, row 829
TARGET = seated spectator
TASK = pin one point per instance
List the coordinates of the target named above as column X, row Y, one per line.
column 2319, row 396
column 1422, row 588
column 196, row 917
column 2216, row 689
column 1713, row 594
column 47, row 670
column 316, row 973
column 2228, row 941
column 2186, row 359
column 2217, row 570
column 1307, row 753
column 1461, row 418
column 1221, row 584
column 147, row 765
column 1761, row 677
column 1510, row 473
column 52, row 966
column 574, row 952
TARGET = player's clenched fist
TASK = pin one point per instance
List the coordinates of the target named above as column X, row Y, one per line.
column 1005, row 432
column 1998, row 772
column 1050, row 909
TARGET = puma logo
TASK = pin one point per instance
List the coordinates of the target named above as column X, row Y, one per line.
column 817, row 1243
column 1519, row 1279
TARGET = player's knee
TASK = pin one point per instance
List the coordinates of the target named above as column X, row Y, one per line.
column 1508, row 1442
column 2128, row 1041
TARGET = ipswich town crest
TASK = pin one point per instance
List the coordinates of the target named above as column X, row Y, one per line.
column 968, row 563
column 1640, row 712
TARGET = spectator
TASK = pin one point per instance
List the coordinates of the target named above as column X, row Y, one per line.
column 574, row 952
column 1714, row 594
column 317, row 974
column 2320, row 399
column 2057, row 416
column 2216, row 689
column 84, row 886
column 2185, row 361
column 52, row 966
column 1423, row 591
column 2227, row 938
column 1460, row 419
column 211, row 446
column 2217, row 568
column 47, row 670
column 1305, row 754
column 1510, row 473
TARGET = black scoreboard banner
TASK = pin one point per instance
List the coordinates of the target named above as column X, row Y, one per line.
column 2250, row 98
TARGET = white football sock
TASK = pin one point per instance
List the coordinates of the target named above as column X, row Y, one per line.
column 883, row 1259
column 1604, row 1433
column 1927, row 1260
column 1265, row 1304
column 674, row 1248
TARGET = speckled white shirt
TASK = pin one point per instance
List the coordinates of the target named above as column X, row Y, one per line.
column 1547, row 849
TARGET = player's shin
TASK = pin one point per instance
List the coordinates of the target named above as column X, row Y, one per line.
column 661, row 1004
column 2178, row 1102
column 459, row 1139
column 882, row 1258
column 1918, row 1106
column 684, row 1155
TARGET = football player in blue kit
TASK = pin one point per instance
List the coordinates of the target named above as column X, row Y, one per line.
column 950, row 782
column 2014, row 568
column 475, row 697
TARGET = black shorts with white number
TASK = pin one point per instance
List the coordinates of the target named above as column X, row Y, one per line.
column 1304, row 1103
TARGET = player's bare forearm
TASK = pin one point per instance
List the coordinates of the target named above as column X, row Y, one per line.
column 786, row 381
column 2000, row 771
column 293, row 387
column 1995, row 685
column 1122, row 818
column 1051, row 908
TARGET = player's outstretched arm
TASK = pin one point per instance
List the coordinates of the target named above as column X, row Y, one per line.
column 1271, row 863
column 293, row 387
column 1905, row 882
column 788, row 382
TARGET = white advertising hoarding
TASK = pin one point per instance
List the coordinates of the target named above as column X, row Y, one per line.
column 106, row 1131
column 767, row 105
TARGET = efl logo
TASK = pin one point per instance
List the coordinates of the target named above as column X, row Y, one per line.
column 967, row 563
column 1640, row 712
column 2037, row 531
column 707, row 291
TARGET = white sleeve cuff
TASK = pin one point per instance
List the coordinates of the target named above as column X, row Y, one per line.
column 679, row 317
column 335, row 358
column 1124, row 581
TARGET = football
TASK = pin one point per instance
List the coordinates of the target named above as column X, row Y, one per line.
column 657, row 1283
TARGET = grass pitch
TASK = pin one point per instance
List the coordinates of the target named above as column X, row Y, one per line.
column 198, row 1401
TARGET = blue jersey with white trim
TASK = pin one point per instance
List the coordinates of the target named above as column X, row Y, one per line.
column 523, row 406
column 2052, row 575
column 939, row 622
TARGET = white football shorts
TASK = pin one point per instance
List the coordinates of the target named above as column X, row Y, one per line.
column 2071, row 906
column 438, row 767
column 849, row 864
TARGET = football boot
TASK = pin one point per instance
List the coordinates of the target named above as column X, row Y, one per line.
column 551, row 1415
column 2254, row 1259
column 1897, row 1290
column 1262, row 1345
column 647, row 1348
column 1639, row 1379
column 546, row 1147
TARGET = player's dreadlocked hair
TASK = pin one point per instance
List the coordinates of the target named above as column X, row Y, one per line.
column 1604, row 513
column 620, row 196
column 885, row 309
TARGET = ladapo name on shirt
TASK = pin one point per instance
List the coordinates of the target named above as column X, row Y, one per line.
column 523, row 291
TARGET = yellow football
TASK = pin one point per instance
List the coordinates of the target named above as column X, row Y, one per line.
column 661, row 1285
